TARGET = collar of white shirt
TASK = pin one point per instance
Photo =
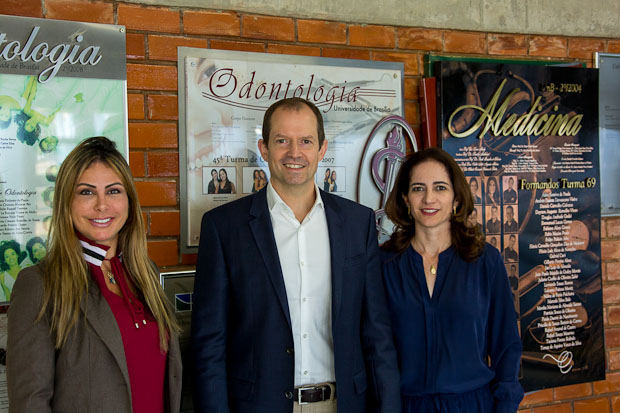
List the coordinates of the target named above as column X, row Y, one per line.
column 275, row 203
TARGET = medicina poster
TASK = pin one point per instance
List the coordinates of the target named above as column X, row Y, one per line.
column 527, row 139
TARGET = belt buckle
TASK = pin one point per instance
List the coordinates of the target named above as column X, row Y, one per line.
column 300, row 389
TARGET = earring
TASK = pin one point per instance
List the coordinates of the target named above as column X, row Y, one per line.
column 408, row 211
column 454, row 209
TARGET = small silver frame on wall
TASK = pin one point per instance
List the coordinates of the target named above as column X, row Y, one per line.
column 609, row 131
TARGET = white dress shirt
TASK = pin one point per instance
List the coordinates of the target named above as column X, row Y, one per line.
column 304, row 252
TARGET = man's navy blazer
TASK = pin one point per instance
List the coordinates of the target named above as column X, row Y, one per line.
column 241, row 329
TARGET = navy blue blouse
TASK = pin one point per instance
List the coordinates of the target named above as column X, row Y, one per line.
column 463, row 338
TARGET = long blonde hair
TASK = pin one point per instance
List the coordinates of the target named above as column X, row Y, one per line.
column 66, row 273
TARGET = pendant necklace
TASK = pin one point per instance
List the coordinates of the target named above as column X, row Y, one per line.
column 111, row 277
column 433, row 269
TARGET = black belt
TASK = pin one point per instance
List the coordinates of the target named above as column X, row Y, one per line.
column 312, row 394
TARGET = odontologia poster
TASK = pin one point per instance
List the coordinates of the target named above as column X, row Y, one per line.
column 527, row 138
column 223, row 97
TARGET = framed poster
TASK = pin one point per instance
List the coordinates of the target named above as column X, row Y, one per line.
column 609, row 129
column 527, row 139
column 60, row 82
column 222, row 99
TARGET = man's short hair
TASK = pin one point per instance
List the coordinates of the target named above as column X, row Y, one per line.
column 293, row 104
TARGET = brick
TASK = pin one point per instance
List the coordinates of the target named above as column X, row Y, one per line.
column 613, row 315
column 604, row 271
column 293, row 49
column 84, row 11
column 162, row 107
column 157, row 193
column 412, row 112
column 538, row 397
column 410, row 60
column 610, row 249
column 189, row 259
column 320, row 31
column 611, row 384
column 615, row 404
column 241, row 46
column 25, row 8
column 464, row 42
column 149, row 18
column 507, row 44
column 612, row 338
column 603, row 228
column 165, row 252
column 549, row 46
column 612, row 227
column 268, row 27
column 613, row 46
column 162, row 163
column 165, row 47
column 600, row 405
column 611, row 294
column 412, row 88
column 572, row 391
column 211, row 23
column 420, row 39
column 136, row 163
column 554, row 408
column 346, row 53
column 135, row 106
column 584, row 48
column 151, row 77
column 372, row 36
column 165, row 223
column 613, row 362
column 612, row 271
column 134, row 46
column 146, row 222
column 153, row 135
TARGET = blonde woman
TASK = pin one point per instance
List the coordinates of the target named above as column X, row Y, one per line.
column 89, row 326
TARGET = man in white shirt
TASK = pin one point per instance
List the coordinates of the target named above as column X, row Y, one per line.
column 289, row 311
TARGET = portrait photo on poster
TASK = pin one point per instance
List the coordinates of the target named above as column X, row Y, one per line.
column 331, row 179
column 254, row 178
column 219, row 180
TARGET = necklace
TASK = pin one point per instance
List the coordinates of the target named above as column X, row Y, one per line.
column 111, row 277
column 433, row 269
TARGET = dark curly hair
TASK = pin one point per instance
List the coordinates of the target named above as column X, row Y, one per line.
column 10, row 245
column 30, row 244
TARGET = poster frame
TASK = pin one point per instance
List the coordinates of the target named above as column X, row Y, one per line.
column 610, row 194
column 578, row 255
column 55, row 59
column 184, row 52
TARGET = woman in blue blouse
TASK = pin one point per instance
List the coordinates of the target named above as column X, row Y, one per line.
column 453, row 317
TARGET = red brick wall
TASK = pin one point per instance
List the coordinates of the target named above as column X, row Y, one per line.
column 153, row 33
